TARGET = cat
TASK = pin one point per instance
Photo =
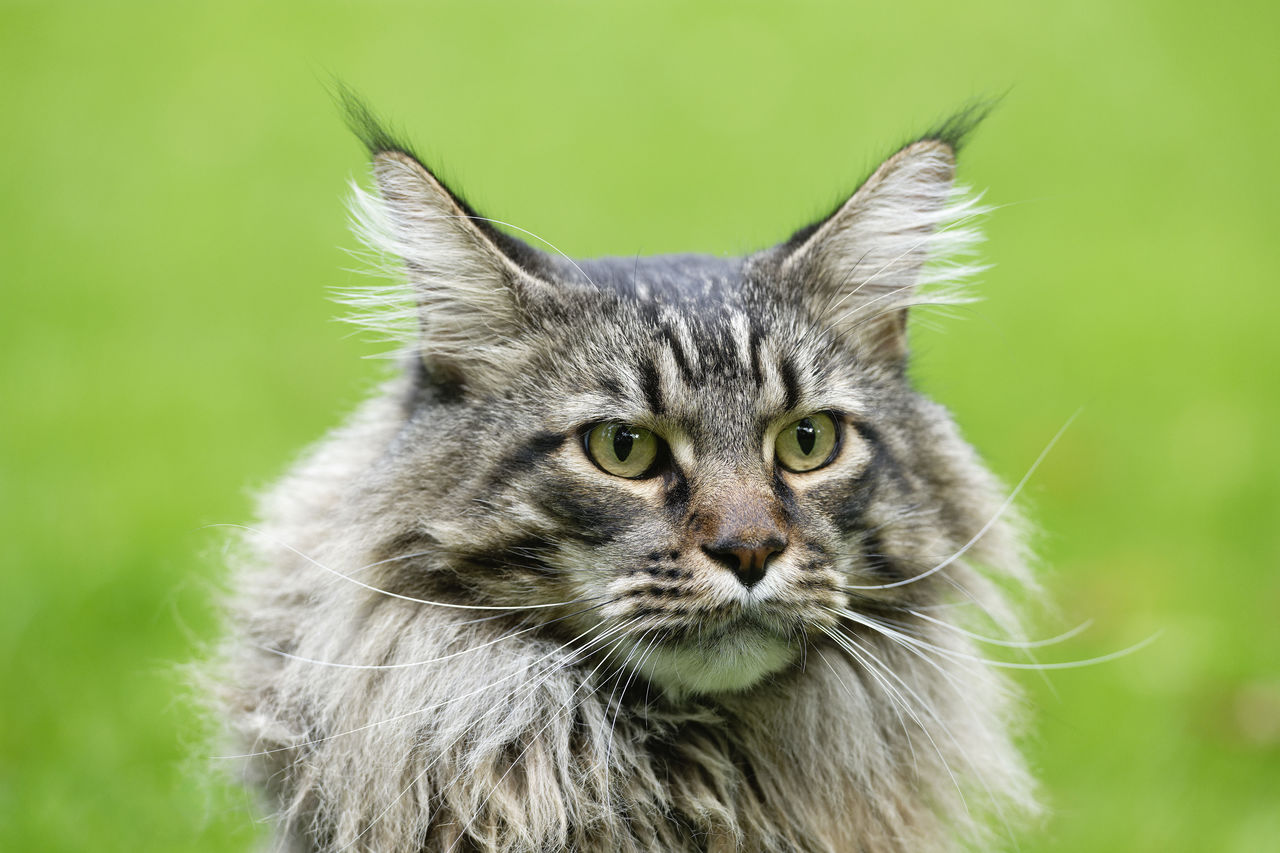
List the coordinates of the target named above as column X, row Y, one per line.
column 639, row 554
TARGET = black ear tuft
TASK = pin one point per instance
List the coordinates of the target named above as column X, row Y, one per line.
column 376, row 137
column 954, row 131
column 905, row 229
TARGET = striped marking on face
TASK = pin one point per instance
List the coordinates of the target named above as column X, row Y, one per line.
column 734, row 349
column 684, row 353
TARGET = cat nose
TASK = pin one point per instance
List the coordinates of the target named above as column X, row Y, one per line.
column 747, row 557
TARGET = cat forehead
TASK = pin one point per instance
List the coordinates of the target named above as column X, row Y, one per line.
column 697, row 344
column 699, row 307
column 705, row 281
column 681, row 332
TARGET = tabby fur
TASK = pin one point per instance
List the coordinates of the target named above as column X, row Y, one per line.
column 452, row 631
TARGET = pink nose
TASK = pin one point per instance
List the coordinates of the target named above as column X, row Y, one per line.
column 748, row 558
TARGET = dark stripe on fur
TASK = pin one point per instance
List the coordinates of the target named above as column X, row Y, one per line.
column 755, row 338
column 790, row 383
column 877, row 561
column 532, row 453
column 524, row 555
column 786, row 497
column 849, row 511
column 537, row 448
column 850, row 515
column 651, row 387
column 675, row 492
column 678, row 353
column 584, row 517
column 430, row 387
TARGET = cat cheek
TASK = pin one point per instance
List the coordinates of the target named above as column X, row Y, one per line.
column 596, row 508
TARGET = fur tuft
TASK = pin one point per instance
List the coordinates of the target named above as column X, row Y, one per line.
column 905, row 238
column 386, row 309
column 956, row 129
column 365, row 124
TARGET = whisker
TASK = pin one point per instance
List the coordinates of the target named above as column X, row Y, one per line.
column 399, row 557
column 616, row 698
column 1004, row 507
column 385, row 592
column 950, row 736
column 892, row 633
column 555, row 717
column 415, row 711
column 484, row 645
column 540, row 239
column 1030, row 644
column 853, row 648
column 524, row 690
column 896, row 703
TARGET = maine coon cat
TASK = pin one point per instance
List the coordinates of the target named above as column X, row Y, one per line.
column 638, row 554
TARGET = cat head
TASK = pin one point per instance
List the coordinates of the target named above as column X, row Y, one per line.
column 695, row 465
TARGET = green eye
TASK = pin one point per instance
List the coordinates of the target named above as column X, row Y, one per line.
column 808, row 443
column 624, row 450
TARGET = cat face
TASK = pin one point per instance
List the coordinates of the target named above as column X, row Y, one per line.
column 692, row 464
column 707, row 461
column 636, row 550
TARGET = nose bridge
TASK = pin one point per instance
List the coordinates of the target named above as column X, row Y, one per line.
column 740, row 522
column 747, row 515
column 731, row 492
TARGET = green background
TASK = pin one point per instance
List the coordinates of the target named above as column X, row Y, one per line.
column 171, row 221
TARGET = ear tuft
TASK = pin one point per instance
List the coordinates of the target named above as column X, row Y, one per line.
column 465, row 309
column 899, row 241
column 955, row 130
column 365, row 124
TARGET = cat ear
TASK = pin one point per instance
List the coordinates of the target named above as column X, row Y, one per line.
column 862, row 267
column 471, row 285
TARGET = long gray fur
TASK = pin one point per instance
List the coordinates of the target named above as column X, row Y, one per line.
column 451, row 630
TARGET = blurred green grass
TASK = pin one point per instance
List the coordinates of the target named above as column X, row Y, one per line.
column 170, row 221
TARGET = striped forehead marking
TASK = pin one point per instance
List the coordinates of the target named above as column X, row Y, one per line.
column 686, row 354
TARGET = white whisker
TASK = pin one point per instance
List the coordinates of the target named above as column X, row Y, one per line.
column 415, row 712
column 387, row 593
column 1030, row 644
column 556, row 715
column 1004, row 507
column 451, row 656
column 950, row 653
column 849, row 645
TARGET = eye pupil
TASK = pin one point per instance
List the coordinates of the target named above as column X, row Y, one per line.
column 623, row 441
column 806, row 436
column 808, row 443
column 623, row 450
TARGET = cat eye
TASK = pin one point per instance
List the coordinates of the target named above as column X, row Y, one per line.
column 809, row 443
column 622, row 449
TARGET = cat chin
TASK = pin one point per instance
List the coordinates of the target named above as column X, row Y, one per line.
column 731, row 662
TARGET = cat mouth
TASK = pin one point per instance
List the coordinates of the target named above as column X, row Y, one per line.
column 737, row 627
column 735, row 620
column 731, row 656
column 711, row 637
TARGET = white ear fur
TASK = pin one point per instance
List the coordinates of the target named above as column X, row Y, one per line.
column 465, row 312
column 903, row 230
